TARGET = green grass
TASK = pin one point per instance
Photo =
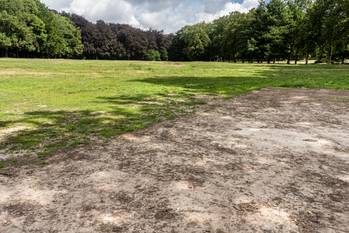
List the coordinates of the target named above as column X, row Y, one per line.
column 59, row 104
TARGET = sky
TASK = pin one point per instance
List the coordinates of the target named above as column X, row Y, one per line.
column 167, row 15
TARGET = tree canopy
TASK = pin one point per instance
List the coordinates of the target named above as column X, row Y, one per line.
column 275, row 30
column 119, row 41
column 29, row 29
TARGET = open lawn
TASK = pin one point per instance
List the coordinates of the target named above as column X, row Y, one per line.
column 51, row 105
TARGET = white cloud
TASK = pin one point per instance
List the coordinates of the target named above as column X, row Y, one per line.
column 167, row 15
column 229, row 7
column 120, row 11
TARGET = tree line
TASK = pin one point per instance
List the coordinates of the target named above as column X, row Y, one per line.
column 119, row 41
column 275, row 30
column 29, row 29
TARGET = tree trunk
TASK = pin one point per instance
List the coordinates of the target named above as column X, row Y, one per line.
column 307, row 59
column 319, row 54
column 329, row 60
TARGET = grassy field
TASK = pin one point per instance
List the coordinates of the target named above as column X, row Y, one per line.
column 51, row 105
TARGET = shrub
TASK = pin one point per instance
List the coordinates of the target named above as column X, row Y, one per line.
column 152, row 55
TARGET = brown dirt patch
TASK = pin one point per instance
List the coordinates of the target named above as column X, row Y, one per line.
column 275, row 160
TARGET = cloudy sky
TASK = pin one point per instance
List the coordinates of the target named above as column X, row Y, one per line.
column 167, row 15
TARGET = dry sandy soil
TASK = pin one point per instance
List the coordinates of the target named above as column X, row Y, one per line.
column 276, row 160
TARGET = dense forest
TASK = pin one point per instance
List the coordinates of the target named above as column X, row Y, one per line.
column 118, row 41
column 276, row 30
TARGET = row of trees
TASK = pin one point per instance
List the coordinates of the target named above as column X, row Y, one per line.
column 29, row 29
column 119, row 41
column 277, row 30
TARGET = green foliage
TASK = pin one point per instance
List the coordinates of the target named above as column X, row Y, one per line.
column 195, row 41
column 5, row 41
column 230, row 35
column 15, row 33
column 164, row 54
column 119, row 41
column 63, row 38
column 28, row 27
column 330, row 25
column 275, row 30
column 152, row 55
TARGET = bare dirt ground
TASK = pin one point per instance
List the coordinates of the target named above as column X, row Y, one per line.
column 275, row 160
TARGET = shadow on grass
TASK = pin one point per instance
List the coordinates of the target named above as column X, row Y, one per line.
column 215, row 86
column 311, row 76
column 53, row 131
column 58, row 130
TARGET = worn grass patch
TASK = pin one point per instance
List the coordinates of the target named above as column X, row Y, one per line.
column 65, row 103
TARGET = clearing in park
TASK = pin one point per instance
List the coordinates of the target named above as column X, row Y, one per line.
column 120, row 146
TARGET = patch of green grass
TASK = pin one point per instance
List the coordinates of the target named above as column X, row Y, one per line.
column 5, row 163
column 65, row 103
column 2, row 164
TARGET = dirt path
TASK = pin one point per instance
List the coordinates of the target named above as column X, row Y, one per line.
column 271, row 161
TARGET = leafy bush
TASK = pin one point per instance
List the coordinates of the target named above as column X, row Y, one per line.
column 152, row 55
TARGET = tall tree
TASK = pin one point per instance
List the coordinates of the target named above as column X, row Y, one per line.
column 236, row 35
column 193, row 40
column 329, row 20
column 119, row 41
column 29, row 28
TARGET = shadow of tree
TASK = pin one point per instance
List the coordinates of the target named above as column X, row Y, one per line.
column 209, row 86
column 52, row 131
column 58, row 130
column 310, row 76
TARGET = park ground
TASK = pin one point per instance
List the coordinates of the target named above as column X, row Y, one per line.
column 101, row 146
column 274, row 160
column 52, row 105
